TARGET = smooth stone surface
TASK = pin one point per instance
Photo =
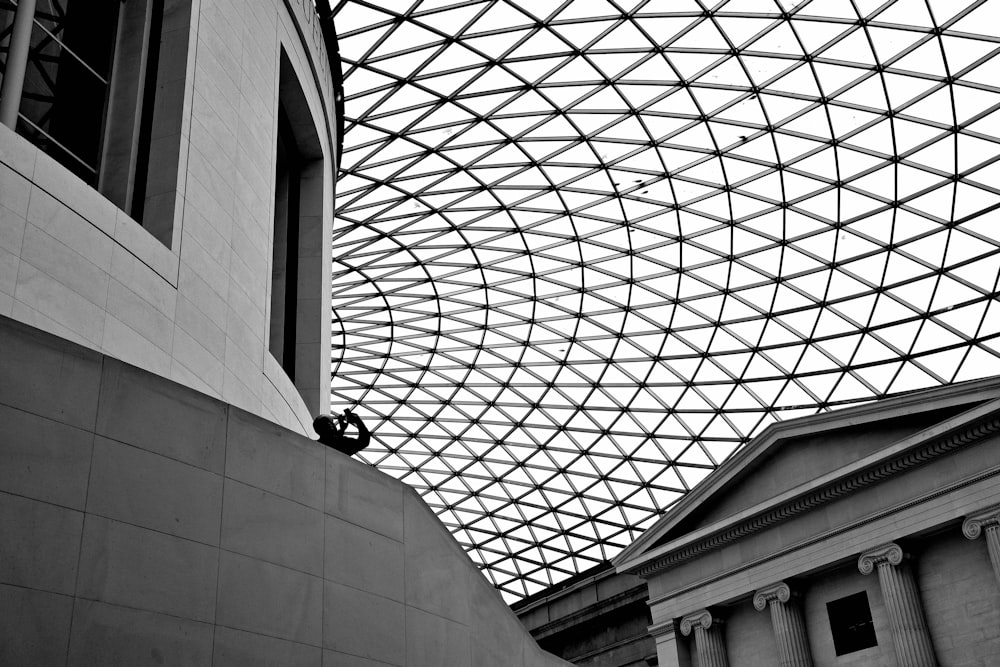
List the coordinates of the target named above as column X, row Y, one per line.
column 497, row 637
column 269, row 599
column 136, row 567
column 437, row 570
column 44, row 459
column 48, row 376
column 235, row 648
column 34, row 626
column 105, row 634
column 141, row 409
column 269, row 457
column 270, row 528
column 335, row 659
column 362, row 624
column 363, row 496
column 362, row 559
column 39, row 544
column 56, row 259
column 432, row 641
column 152, row 491
column 157, row 564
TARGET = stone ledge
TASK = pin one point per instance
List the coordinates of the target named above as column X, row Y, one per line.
column 914, row 451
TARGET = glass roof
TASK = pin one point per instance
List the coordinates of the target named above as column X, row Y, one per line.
column 584, row 250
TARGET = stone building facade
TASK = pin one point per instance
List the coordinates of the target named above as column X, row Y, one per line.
column 867, row 536
column 141, row 205
column 599, row 618
column 166, row 184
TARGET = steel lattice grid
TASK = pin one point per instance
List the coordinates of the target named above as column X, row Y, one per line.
column 584, row 250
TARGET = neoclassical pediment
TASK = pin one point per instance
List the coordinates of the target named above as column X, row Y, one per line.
column 798, row 465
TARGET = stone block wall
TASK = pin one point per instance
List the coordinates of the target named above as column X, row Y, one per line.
column 749, row 637
column 146, row 523
column 597, row 619
column 194, row 307
column 959, row 593
column 833, row 585
column 961, row 599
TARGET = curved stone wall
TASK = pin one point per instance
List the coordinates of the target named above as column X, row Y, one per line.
column 146, row 523
column 186, row 297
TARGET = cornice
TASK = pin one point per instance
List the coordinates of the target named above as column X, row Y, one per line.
column 832, row 534
column 663, row 629
column 849, row 483
column 564, row 590
column 638, row 638
column 984, row 391
column 635, row 594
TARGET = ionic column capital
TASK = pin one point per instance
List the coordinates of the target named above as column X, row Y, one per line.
column 890, row 553
column 699, row 619
column 708, row 639
column 986, row 521
column 974, row 524
column 779, row 591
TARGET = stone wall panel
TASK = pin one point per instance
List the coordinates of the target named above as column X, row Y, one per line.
column 212, row 536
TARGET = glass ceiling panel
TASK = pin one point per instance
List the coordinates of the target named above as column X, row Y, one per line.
column 584, row 250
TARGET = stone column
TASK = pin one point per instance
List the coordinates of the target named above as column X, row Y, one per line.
column 988, row 522
column 708, row 641
column 17, row 62
column 789, row 626
column 902, row 604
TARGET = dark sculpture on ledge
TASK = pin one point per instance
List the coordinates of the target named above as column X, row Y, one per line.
column 331, row 432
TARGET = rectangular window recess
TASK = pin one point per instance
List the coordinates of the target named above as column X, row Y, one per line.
column 102, row 93
column 851, row 623
column 297, row 293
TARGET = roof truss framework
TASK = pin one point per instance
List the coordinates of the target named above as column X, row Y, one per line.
column 585, row 250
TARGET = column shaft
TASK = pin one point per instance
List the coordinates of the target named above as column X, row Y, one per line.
column 902, row 604
column 708, row 641
column 17, row 61
column 710, row 646
column 993, row 546
column 790, row 634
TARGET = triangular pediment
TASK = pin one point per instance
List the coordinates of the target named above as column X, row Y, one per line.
column 790, row 458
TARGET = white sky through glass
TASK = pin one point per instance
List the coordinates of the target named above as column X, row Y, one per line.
column 584, row 250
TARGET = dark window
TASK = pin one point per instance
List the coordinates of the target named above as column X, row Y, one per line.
column 851, row 623
column 284, row 265
column 102, row 93
column 297, row 292
column 68, row 80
